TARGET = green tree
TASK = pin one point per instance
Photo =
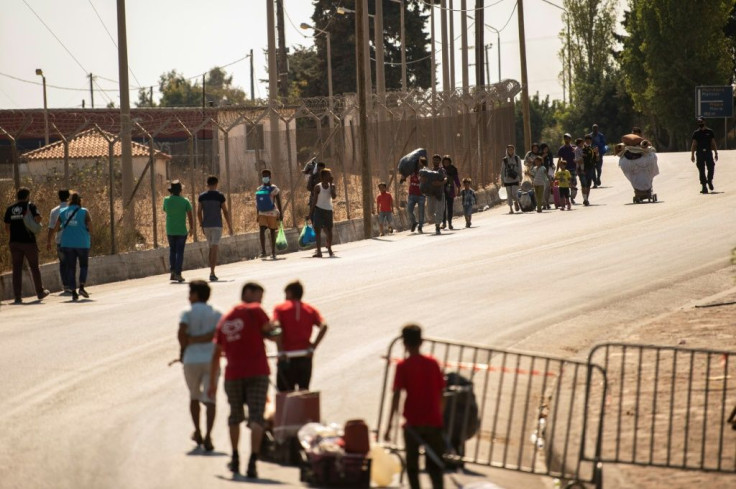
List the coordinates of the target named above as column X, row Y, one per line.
column 670, row 48
column 178, row 91
column 543, row 113
column 313, row 82
column 598, row 94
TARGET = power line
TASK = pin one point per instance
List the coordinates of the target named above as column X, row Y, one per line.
column 114, row 43
column 461, row 10
column 57, row 87
column 63, row 46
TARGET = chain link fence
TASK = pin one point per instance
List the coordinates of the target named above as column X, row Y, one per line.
column 236, row 143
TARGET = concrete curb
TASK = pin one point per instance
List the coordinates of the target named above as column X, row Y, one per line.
column 139, row 264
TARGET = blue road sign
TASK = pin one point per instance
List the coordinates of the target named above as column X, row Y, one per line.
column 714, row 101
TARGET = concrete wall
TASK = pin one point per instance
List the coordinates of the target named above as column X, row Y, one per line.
column 138, row 264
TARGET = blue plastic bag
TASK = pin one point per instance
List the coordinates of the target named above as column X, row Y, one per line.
column 307, row 237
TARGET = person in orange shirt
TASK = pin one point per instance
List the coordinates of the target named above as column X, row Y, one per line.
column 385, row 204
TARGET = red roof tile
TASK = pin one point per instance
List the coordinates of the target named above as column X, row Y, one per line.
column 88, row 144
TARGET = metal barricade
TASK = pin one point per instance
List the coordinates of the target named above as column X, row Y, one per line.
column 665, row 407
column 529, row 413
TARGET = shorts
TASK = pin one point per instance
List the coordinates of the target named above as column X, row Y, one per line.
column 322, row 218
column 587, row 177
column 213, row 235
column 197, row 376
column 270, row 222
column 565, row 192
column 251, row 391
column 386, row 218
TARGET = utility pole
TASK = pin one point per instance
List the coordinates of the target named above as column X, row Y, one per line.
column 273, row 76
column 479, row 43
column 91, row 92
column 433, row 58
column 452, row 46
column 125, row 129
column 283, row 70
column 150, row 91
column 464, row 43
column 488, row 65
column 379, row 36
column 445, row 50
column 204, row 93
column 404, row 86
column 361, row 12
column 252, row 80
column 524, row 80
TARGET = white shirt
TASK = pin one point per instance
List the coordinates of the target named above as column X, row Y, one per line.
column 54, row 216
column 201, row 319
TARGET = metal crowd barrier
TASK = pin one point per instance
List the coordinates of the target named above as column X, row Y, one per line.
column 665, row 407
column 529, row 413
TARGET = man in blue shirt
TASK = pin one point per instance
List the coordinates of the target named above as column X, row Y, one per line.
column 211, row 209
column 599, row 141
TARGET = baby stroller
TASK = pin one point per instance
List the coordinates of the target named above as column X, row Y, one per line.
column 527, row 200
column 639, row 164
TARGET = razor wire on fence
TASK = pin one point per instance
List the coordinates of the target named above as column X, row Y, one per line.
column 235, row 144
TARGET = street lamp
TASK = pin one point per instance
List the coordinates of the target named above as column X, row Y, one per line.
column 39, row 72
column 498, row 46
column 329, row 60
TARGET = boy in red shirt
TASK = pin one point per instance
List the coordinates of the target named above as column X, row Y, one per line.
column 240, row 334
column 297, row 320
column 420, row 376
column 385, row 204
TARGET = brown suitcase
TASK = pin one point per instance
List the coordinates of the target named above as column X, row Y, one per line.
column 357, row 439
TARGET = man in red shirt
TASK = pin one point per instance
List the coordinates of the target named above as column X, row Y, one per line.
column 240, row 335
column 297, row 320
column 420, row 376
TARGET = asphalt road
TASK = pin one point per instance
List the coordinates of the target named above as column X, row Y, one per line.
column 89, row 401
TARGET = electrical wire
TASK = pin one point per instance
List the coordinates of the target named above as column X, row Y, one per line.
column 33, row 82
column 111, row 38
column 63, row 46
column 461, row 10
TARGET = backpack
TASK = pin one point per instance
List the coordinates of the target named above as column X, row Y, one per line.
column 264, row 202
column 511, row 168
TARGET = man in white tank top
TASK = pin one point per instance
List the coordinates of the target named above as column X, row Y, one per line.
column 321, row 210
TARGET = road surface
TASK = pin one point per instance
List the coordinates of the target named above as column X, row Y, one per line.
column 89, row 401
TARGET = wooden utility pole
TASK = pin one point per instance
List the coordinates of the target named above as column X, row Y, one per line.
column 126, row 150
column 361, row 13
column 283, row 68
column 272, row 88
column 445, row 48
column 479, row 44
column 464, row 43
column 524, row 81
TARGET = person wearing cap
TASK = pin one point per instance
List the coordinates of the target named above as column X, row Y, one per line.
column 511, row 177
column 598, row 141
column 567, row 153
column 704, row 142
column 178, row 210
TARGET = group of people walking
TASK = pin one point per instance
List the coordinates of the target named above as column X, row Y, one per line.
column 205, row 335
column 69, row 229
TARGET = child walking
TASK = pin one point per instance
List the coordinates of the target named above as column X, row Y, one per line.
column 563, row 177
column 539, row 180
column 468, row 198
column 384, row 204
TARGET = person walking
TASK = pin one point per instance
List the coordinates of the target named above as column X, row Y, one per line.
column 384, row 206
column 22, row 243
column 511, row 172
column 452, row 186
column 530, row 156
column 539, row 180
column 598, row 140
column 268, row 206
column 588, row 172
column 178, row 210
column 567, row 153
column 421, row 378
column 75, row 227
column 416, row 198
column 562, row 178
column 321, row 211
column 297, row 320
column 52, row 234
column 467, row 195
column 549, row 163
column 197, row 327
column 211, row 209
column 704, row 143
column 240, row 335
column 435, row 193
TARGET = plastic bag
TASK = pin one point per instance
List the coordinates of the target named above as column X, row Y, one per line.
column 281, row 243
column 408, row 164
column 307, row 237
